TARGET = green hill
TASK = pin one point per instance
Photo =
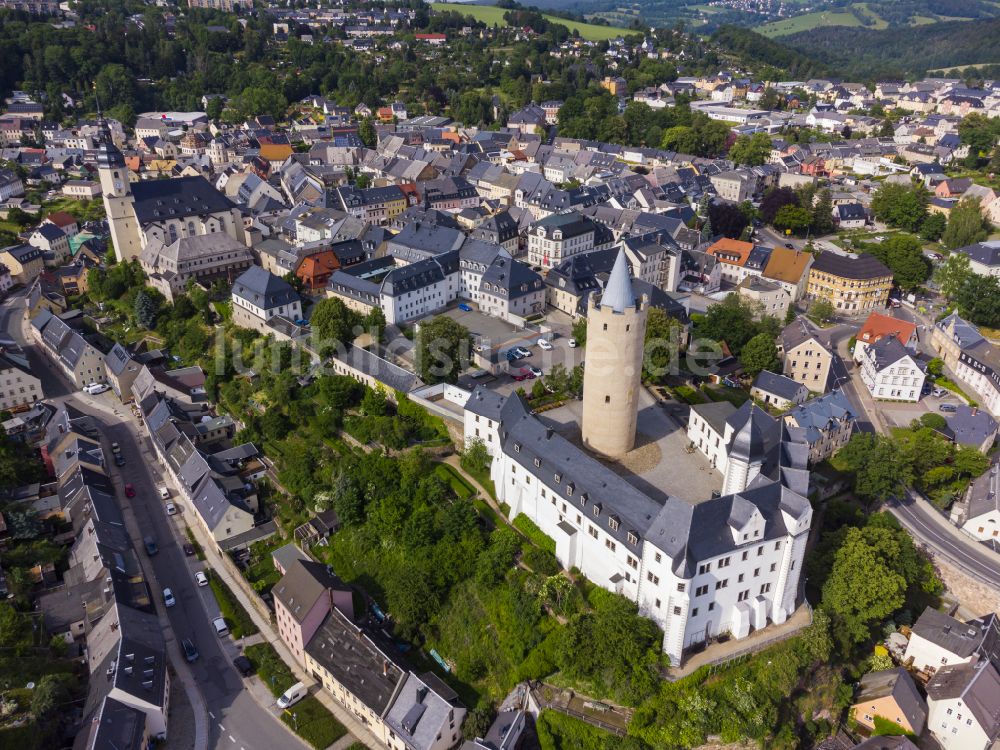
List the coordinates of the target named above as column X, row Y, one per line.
column 490, row 15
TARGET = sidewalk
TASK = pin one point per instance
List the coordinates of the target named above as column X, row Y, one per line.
column 357, row 731
column 947, row 527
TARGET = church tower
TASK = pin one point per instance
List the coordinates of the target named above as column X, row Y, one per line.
column 616, row 329
column 118, row 201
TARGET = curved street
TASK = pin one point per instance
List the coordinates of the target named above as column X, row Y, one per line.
column 224, row 706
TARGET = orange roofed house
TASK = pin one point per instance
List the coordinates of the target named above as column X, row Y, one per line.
column 315, row 270
column 878, row 326
column 789, row 269
column 739, row 260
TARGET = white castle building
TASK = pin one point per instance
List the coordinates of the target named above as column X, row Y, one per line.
column 727, row 564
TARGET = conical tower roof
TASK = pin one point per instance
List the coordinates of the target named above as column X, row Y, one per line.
column 618, row 294
column 108, row 154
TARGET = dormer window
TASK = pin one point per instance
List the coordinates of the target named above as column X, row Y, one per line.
column 538, row 462
column 597, row 510
column 557, row 478
column 633, row 538
column 569, row 489
column 583, row 499
column 613, row 523
column 517, row 447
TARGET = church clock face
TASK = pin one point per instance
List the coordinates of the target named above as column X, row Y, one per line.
column 118, row 185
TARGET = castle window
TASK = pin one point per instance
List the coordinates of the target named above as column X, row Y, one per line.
column 557, row 478
column 632, row 538
column 613, row 523
column 569, row 489
column 597, row 510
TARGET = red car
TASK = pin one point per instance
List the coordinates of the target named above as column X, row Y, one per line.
column 129, row 490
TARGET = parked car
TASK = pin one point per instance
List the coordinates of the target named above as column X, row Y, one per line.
column 129, row 490
column 301, row 322
column 171, row 509
column 518, row 375
column 535, row 372
column 243, row 665
column 293, row 695
column 168, row 598
column 522, row 352
column 188, row 550
column 544, row 345
column 464, row 307
column 164, row 492
column 201, row 578
column 789, row 245
column 221, row 629
column 115, row 448
column 572, row 344
column 948, row 408
column 150, row 544
column 95, row 389
column 119, row 459
column 190, row 652
column 939, row 392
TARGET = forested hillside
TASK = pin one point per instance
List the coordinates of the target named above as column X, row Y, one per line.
column 864, row 54
column 753, row 48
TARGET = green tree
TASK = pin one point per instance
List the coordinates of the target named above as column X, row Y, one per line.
column 822, row 213
column 932, row 227
column 374, row 403
column 476, row 457
column 966, row 225
column 441, row 350
column 580, row 331
column 760, row 353
column 900, row 205
column 793, row 218
column 147, row 307
column 821, row 310
column 978, row 299
column 662, row 341
column 50, row 692
column 952, row 274
column 752, row 150
column 366, row 132
column 904, row 256
column 332, row 321
column 862, row 588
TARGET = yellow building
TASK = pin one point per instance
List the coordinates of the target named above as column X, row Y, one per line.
column 23, row 261
column 854, row 284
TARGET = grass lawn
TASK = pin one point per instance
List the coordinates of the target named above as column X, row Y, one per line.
column 808, row 21
column 538, row 537
column 457, row 483
column 311, row 721
column 735, row 396
column 490, row 15
column 236, row 617
column 275, row 674
column 261, row 573
column 688, row 395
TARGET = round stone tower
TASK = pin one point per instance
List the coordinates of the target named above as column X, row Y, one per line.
column 616, row 328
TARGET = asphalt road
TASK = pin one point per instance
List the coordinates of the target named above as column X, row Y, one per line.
column 918, row 520
column 236, row 721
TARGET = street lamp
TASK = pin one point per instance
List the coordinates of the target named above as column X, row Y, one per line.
column 295, row 720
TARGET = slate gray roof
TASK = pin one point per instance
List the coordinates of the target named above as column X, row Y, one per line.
column 118, row 359
column 356, row 661
column 510, row 278
column 419, row 714
column 618, row 294
column 863, row 266
column 818, row 414
column 304, row 582
column 157, row 200
column 977, row 685
column 117, row 727
column 970, row 426
column 391, row 376
column 797, row 332
column 963, row 639
column 419, row 240
column 987, row 253
column 898, row 684
column 263, row 289
column 886, row 352
column 777, row 385
column 485, row 403
column 716, row 413
column 984, row 494
column 419, row 274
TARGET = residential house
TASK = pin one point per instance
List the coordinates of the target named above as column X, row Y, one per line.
column 963, row 706
column 890, row 372
column 303, row 598
column 425, row 715
column 768, row 297
column 789, row 269
column 316, row 269
column 79, row 360
column 50, row 239
column 778, row 391
column 877, row 326
column 971, row 357
column 806, row 355
column 558, row 237
column 24, row 262
column 66, row 222
column 733, row 186
column 892, row 696
column 850, row 216
column 984, row 257
column 853, row 284
column 121, row 370
column 19, row 388
column 827, row 423
column 739, row 259
column 261, row 299
column 979, row 512
column 972, row 427
column 938, row 640
column 203, row 258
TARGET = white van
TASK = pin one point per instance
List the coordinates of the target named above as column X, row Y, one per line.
column 221, row 629
column 293, row 695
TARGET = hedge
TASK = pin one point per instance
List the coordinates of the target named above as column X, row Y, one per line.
column 538, row 537
column 236, row 617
